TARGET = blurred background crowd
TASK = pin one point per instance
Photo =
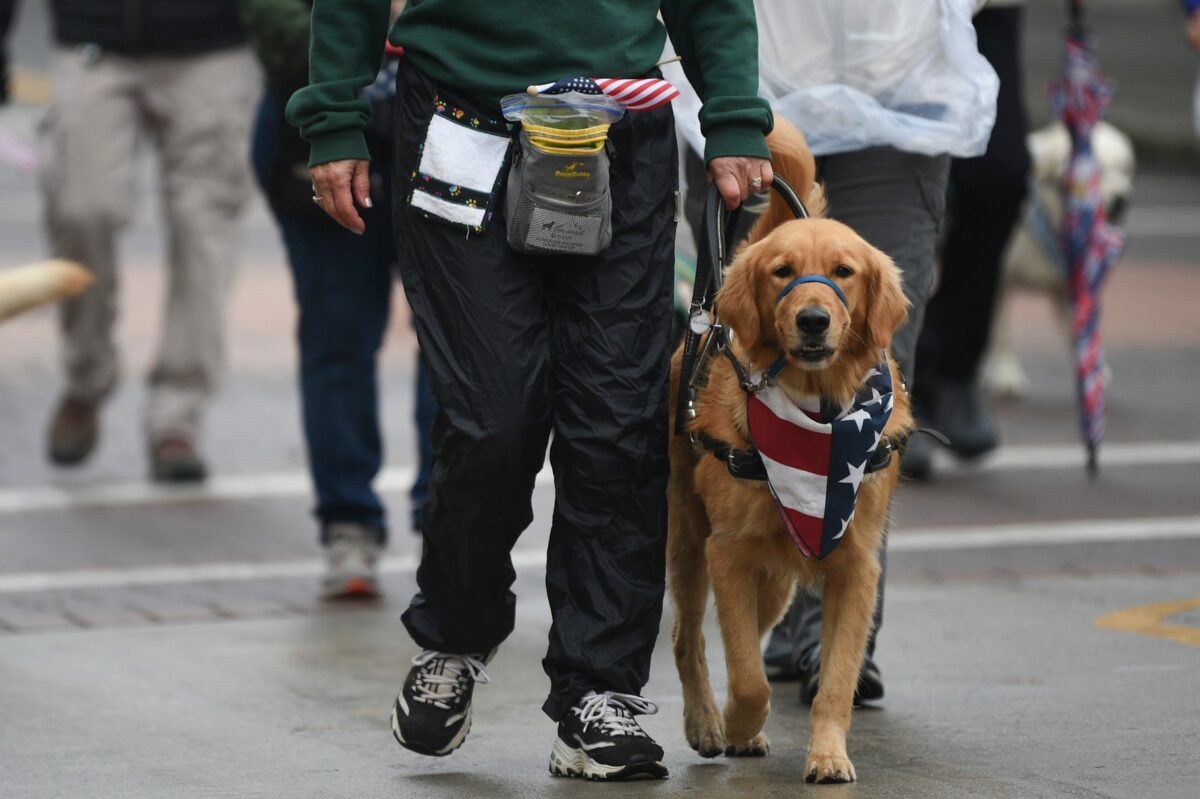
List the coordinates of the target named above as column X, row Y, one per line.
column 240, row 388
column 147, row 141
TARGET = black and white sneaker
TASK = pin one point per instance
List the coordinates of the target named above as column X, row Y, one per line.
column 432, row 714
column 599, row 739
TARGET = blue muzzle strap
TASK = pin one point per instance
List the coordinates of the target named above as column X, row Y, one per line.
column 812, row 279
column 774, row 369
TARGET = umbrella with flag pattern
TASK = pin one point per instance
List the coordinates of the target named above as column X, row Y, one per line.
column 1090, row 244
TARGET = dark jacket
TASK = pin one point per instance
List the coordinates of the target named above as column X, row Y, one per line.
column 149, row 27
column 279, row 31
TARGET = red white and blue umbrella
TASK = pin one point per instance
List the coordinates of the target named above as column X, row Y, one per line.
column 1090, row 244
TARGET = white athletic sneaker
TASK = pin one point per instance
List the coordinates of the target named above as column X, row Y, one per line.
column 351, row 561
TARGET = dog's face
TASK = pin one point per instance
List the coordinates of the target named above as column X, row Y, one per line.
column 811, row 326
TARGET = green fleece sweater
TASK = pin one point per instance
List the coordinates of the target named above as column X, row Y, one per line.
column 490, row 48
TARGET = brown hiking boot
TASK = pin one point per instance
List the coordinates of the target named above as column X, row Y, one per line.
column 73, row 432
column 175, row 460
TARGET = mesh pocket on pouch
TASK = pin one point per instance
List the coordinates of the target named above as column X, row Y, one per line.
column 559, row 203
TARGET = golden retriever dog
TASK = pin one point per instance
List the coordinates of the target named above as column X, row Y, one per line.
column 728, row 532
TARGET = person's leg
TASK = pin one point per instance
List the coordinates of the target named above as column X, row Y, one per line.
column 343, row 288
column 985, row 199
column 611, row 332
column 201, row 108
column 480, row 317
column 87, row 179
column 896, row 201
column 343, row 291
column 342, row 285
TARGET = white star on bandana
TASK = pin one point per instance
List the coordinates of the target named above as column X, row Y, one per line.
column 858, row 417
column 855, row 477
column 845, row 526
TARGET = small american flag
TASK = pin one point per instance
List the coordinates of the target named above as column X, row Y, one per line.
column 816, row 456
column 636, row 94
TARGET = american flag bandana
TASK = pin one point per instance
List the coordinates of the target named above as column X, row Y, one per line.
column 636, row 94
column 816, row 455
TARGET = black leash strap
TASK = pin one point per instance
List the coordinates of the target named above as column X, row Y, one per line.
column 715, row 244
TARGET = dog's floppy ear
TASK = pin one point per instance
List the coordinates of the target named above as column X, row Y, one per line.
column 737, row 301
column 888, row 307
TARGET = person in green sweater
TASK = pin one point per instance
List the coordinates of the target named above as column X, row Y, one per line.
column 519, row 345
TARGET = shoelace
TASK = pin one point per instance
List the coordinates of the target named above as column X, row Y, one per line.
column 613, row 712
column 455, row 669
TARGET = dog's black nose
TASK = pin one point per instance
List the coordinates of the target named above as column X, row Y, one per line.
column 812, row 321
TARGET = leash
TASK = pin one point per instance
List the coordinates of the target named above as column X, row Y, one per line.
column 715, row 244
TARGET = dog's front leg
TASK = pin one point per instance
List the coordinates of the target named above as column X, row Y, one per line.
column 735, row 588
column 848, row 603
column 687, row 575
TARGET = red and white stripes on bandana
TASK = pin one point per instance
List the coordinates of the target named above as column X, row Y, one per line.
column 816, row 456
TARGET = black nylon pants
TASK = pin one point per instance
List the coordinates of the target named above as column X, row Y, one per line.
column 517, row 346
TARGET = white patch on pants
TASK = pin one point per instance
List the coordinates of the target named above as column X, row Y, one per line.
column 444, row 209
column 462, row 156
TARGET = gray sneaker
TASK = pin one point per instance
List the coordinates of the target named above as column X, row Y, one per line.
column 351, row 561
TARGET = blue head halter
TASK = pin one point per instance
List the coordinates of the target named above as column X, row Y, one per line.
column 812, row 279
column 774, row 369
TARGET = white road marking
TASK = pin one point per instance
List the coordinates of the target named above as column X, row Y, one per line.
column 264, row 485
column 918, row 540
column 205, row 572
column 1046, row 534
column 1073, row 456
column 65, row 496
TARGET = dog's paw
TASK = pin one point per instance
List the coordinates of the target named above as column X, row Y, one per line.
column 829, row 769
column 705, row 736
column 758, row 746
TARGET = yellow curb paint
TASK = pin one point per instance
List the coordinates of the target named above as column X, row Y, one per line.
column 31, row 87
column 1148, row 620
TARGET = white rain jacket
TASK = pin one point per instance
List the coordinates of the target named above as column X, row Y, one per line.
column 860, row 73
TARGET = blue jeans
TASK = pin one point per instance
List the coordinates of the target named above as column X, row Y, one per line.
column 343, row 286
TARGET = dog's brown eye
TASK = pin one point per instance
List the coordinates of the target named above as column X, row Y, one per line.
column 841, row 270
column 783, row 271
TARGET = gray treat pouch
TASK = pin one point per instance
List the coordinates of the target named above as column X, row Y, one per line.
column 558, row 199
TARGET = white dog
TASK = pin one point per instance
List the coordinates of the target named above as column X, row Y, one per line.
column 1032, row 261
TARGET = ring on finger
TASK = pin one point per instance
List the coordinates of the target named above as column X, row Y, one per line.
column 756, row 183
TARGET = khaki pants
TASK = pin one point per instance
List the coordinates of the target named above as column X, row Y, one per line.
column 195, row 111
